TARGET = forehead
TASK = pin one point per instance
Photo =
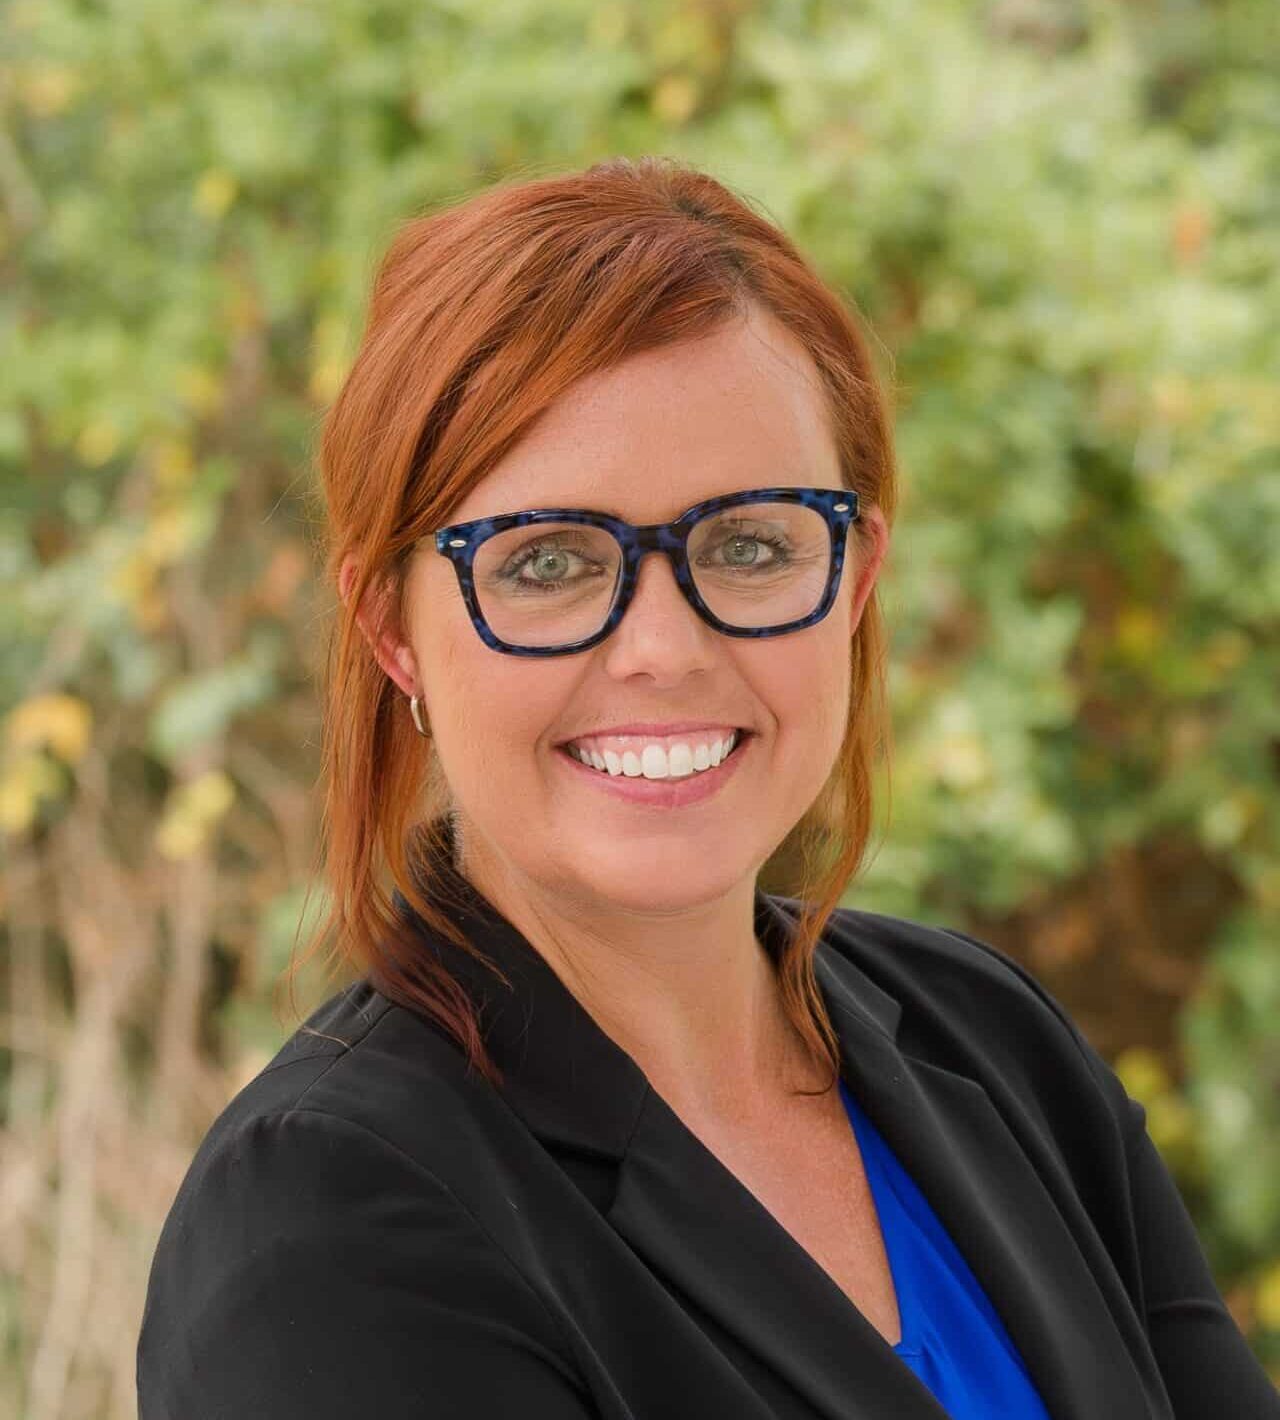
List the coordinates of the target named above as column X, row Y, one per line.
column 741, row 408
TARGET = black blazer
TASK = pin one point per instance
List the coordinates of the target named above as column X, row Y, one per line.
column 367, row 1231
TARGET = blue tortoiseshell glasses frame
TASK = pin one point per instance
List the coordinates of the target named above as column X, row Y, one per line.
column 460, row 542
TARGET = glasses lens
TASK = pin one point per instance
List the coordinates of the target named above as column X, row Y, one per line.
column 764, row 564
column 547, row 584
column 756, row 566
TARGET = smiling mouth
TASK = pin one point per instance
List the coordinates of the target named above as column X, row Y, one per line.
column 741, row 736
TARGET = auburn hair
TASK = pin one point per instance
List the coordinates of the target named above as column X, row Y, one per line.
column 481, row 315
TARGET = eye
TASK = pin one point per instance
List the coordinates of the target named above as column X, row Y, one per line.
column 736, row 538
column 550, row 556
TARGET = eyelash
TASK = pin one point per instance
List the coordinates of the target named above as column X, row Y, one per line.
column 529, row 553
column 527, row 556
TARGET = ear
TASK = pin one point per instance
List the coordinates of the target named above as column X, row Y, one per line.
column 381, row 629
column 875, row 545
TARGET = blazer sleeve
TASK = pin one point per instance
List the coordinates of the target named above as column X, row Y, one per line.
column 309, row 1270
column 1208, row 1367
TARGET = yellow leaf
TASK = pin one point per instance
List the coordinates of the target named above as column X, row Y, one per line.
column 1267, row 1299
column 1142, row 1072
column 199, row 388
column 49, row 89
column 98, row 441
column 1169, row 1123
column 210, row 795
column 215, row 192
column 326, row 380
column 329, row 333
column 192, row 812
column 1226, row 821
column 674, row 98
column 172, row 463
column 132, row 577
column 960, row 759
column 1137, row 631
column 328, row 356
column 55, row 721
column 25, row 780
column 178, row 839
column 169, row 535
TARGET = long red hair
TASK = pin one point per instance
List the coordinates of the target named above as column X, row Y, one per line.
column 482, row 314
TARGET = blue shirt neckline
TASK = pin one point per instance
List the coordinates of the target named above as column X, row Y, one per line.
column 909, row 1343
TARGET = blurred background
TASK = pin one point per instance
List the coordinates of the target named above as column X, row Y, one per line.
column 1061, row 221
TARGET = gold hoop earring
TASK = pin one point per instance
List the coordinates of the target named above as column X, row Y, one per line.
column 416, row 710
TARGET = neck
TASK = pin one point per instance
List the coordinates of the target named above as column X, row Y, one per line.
column 696, row 1004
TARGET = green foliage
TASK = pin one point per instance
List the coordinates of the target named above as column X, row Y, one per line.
column 1060, row 219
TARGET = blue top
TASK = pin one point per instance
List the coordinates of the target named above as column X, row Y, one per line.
column 952, row 1337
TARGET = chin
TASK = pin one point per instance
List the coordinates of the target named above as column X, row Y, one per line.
column 649, row 868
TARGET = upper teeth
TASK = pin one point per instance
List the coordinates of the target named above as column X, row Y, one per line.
column 652, row 759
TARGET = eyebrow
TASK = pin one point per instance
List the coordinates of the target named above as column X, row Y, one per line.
column 612, row 512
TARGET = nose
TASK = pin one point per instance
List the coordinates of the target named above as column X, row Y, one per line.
column 659, row 613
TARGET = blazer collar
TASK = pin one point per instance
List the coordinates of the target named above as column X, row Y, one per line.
column 1002, row 1197
column 570, row 1082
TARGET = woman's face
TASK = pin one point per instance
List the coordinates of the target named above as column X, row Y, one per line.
column 738, row 410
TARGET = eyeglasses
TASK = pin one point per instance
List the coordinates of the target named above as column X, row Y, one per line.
column 554, row 581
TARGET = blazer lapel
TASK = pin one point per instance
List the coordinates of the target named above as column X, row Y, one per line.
column 706, row 1234
column 709, row 1237
column 997, row 1209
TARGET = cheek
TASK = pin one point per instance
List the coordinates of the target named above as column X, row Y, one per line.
column 502, row 710
column 806, row 676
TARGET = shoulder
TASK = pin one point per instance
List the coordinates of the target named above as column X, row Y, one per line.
column 332, row 1162
column 304, row 1146
column 935, row 966
column 948, row 969
column 361, row 1079
column 968, row 1002
column 294, row 1228
column 323, row 1140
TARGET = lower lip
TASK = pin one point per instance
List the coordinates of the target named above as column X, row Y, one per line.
column 664, row 793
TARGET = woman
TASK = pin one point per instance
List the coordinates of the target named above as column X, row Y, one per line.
column 602, row 1129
